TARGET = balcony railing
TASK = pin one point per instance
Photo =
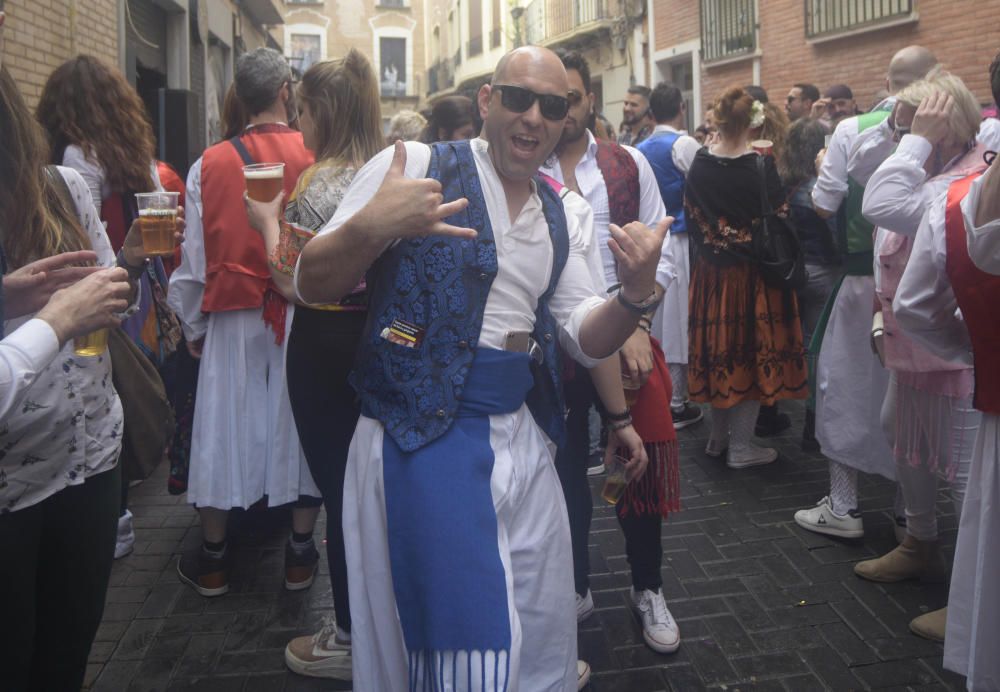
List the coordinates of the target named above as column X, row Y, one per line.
column 458, row 57
column 474, row 46
column 826, row 17
column 728, row 29
column 548, row 20
column 534, row 22
column 440, row 76
column 495, row 38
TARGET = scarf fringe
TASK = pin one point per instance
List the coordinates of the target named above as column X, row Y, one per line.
column 274, row 313
column 921, row 421
column 433, row 670
column 658, row 491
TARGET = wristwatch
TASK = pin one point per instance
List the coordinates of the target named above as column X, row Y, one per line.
column 640, row 308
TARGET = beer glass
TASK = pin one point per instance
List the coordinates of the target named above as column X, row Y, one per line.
column 631, row 388
column 264, row 180
column 614, row 484
column 93, row 344
column 158, row 221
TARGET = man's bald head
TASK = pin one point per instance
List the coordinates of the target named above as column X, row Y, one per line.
column 534, row 60
column 909, row 65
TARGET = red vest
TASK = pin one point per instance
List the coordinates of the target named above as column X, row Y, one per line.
column 171, row 182
column 621, row 177
column 976, row 292
column 113, row 216
column 236, row 269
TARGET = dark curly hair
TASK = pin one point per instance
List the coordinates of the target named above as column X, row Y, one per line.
column 87, row 103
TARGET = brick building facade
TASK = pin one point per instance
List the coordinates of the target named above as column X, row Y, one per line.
column 712, row 44
column 389, row 32
column 42, row 34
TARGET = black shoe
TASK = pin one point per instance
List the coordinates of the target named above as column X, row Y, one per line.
column 206, row 574
column 300, row 570
column 771, row 421
column 689, row 415
column 809, row 441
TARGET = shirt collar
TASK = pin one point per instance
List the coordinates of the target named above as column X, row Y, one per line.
column 668, row 128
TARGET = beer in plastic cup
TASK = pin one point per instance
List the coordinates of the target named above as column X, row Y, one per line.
column 631, row 390
column 614, row 484
column 157, row 221
column 764, row 147
column 93, row 344
column 264, row 180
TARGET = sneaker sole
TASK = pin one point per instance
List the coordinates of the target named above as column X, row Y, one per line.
column 583, row 680
column 580, row 617
column 751, row 463
column 317, row 669
column 596, row 470
column 680, row 425
column 830, row 531
column 208, row 593
column 300, row 585
column 653, row 644
column 712, row 454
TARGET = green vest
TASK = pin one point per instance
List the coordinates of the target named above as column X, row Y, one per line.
column 854, row 231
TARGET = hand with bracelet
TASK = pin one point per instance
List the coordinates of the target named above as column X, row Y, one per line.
column 132, row 256
column 607, row 379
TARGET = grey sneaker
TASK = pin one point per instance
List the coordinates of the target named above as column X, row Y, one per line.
column 326, row 654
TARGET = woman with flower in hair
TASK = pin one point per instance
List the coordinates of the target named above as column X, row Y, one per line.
column 745, row 337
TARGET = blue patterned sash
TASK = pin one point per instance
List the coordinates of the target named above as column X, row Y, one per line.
column 448, row 577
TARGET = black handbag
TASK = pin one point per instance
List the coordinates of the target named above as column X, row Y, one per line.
column 775, row 244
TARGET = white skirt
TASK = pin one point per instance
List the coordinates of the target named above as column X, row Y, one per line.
column 534, row 545
column 670, row 322
column 972, row 635
column 851, row 384
column 244, row 444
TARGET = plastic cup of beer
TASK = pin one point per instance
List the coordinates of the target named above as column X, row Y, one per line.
column 93, row 344
column 614, row 484
column 764, row 147
column 157, row 221
column 264, row 180
column 631, row 388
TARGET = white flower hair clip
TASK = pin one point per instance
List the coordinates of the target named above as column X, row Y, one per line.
column 756, row 114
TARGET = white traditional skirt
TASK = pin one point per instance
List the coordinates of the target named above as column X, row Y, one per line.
column 244, row 444
column 972, row 635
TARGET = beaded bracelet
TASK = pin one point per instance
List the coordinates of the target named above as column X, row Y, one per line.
column 615, row 426
column 624, row 415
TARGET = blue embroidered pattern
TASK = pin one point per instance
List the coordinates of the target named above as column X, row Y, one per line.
column 441, row 284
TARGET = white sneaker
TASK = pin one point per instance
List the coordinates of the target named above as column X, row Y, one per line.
column 821, row 519
column 596, row 470
column 751, row 455
column 326, row 654
column 582, row 674
column 658, row 626
column 125, row 542
column 584, row 606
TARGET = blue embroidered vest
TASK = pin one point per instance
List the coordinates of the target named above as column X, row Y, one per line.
column 658, row 150
column 441, row 284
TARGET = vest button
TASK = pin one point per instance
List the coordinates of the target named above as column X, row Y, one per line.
column 483, row 276
column 548, row 338
column 440, row 413
column 463, row 344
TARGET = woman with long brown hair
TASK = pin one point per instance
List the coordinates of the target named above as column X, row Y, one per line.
column 340, row 118
column 745, row 338
column 97, row 125
column 59, row 474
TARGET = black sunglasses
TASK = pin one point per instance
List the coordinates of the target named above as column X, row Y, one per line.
column 518, row 100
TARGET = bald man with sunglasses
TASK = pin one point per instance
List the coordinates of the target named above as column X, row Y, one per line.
column 457, row 540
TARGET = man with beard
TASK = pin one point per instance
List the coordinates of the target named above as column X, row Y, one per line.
column 637, row 119
column 620, row 187
column 454, row 522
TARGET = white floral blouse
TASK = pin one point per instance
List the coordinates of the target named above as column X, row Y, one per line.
column 67, row 426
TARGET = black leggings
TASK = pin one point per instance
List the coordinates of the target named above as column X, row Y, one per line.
column 321, row 350
column 54, row 575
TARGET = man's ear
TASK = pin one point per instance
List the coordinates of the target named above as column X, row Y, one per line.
column 483, row 100
column 593, row 102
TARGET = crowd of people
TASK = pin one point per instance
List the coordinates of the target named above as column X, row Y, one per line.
column 436, row 340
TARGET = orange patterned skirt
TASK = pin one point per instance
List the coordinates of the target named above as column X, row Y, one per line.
column 745, row 338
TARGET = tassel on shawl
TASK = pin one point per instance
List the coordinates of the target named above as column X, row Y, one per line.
column 658, row 490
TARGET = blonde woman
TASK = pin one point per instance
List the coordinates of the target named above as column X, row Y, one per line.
column 340, row 120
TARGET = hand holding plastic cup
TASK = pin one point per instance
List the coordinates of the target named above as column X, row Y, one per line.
column 93, row 344
column 614, row 484
column 264, row 180
column 158, row 222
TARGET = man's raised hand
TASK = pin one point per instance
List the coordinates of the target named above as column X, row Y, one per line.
column 637, row 250
column 27, row 289
column 932, row 121
column 409, row 207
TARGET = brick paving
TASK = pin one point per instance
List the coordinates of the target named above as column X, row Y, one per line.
column 761, row 604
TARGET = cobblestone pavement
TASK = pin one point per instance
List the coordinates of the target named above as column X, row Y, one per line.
column 761, row 604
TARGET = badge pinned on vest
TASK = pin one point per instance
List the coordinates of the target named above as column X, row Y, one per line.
column 404, row 333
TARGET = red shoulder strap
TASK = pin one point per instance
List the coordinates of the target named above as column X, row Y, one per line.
column 954, row 223
column 621, row 177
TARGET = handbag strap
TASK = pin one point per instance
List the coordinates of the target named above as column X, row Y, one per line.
column 765, row 205
column 242, row 151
